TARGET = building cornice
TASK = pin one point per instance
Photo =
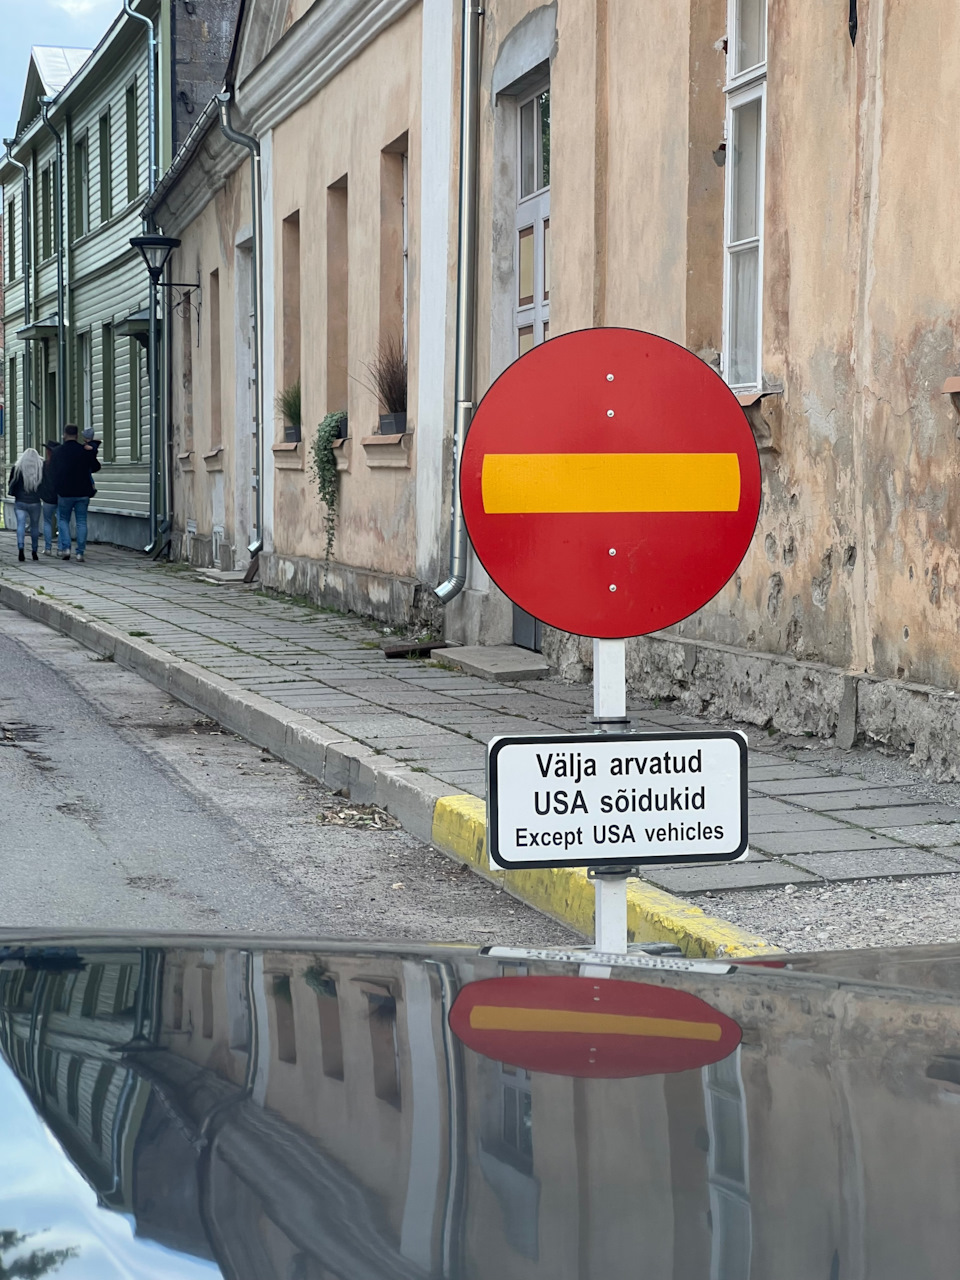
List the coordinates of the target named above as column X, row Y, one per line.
column 199, row 169
column 309, row 54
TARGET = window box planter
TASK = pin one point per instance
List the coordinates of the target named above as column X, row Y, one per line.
column 291, row 433
column 393, row 424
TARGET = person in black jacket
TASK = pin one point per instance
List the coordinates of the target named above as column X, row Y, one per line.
column 25, row 478
column 48, row 498
column 71, row 471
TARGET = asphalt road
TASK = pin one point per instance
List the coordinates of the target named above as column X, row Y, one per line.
column 123, row 809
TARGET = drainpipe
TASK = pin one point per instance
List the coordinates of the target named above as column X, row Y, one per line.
column 466, row 284
column 253, row 146
column 25, row 268
column 61, row 251
column 157, row 483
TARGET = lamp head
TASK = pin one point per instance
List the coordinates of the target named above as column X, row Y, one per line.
column 155, row 250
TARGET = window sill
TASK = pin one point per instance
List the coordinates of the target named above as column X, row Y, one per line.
column 287, row 456
column 343, row 452
column 388, row 451
column 213, row 460
column 186, row 460
column 766, row 421
column 951, row 388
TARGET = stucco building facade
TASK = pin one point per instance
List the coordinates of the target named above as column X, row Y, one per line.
column 759, row 194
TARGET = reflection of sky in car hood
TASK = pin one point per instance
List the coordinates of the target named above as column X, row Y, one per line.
column 40, row 1186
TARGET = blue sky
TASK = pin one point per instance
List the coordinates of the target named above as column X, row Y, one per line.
column 24, row 23
column 43, row 1196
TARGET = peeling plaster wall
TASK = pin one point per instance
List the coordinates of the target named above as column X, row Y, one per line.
column 855, row 560
column 376, row 528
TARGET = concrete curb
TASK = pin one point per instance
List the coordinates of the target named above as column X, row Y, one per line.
column 567, row 894
column 456, row 824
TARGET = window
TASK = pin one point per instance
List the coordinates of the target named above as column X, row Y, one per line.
column 81, row 188
column 337, row 309
column 46, row 212
column 216, row 418
column 206, row 1002
column 104, row 160
column 186, row 357
column 135, row 361
column 133, row 148
column 98, row 1102
column 11, row 241
column 331, row 1038
column 73, row 1088
column 393, row 246
column 108, row 393
column 532, row 299
column 382, row 1016
column 11, row 413
column 743, row 220
column 290, row 286
column 728, row 1170
column 286, row 1027
column 85, row 377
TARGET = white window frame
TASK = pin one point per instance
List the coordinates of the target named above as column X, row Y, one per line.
column 747, row 86
column 533, row 210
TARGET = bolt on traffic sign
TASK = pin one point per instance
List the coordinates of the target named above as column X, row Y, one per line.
column 612, row 799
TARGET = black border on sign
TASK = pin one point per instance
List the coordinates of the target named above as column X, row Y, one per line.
column 624, row 859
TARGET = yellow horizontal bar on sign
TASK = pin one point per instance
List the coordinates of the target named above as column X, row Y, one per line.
column 558, row 483
column 493, row 1018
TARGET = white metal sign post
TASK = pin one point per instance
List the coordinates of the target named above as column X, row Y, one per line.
column 610, row 712
column 615, row 801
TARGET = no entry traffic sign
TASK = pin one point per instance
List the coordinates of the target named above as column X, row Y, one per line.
column 582, row 800
column 591, row 1027
column 610, row 482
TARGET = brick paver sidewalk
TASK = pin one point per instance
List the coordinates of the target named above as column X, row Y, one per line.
column 808, row 822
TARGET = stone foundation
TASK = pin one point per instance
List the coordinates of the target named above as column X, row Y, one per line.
column 772, row 691
column 400, row 602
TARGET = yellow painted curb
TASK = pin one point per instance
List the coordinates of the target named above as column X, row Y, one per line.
column 567, row 894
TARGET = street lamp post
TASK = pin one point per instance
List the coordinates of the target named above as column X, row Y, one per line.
column 155, row 251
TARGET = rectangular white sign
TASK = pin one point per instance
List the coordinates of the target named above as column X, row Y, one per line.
column 578, row 800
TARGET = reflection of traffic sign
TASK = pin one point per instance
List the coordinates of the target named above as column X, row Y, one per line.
column 610, row 482
column 596, row 1027
column 641, row 799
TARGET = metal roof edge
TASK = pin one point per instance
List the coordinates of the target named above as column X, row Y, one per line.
column 181, row 161
column 109, row 37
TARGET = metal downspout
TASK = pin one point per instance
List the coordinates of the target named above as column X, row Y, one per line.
column 153, row 175
column 253, row 146
column 26, row 268
column 157, row 483
column 466, row 285
column 61, row 251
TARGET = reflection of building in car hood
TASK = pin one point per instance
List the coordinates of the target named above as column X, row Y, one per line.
column 307, row 1112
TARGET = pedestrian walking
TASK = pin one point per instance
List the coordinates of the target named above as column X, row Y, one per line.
column 26, row 476
column 48, row 498
column 71, row 470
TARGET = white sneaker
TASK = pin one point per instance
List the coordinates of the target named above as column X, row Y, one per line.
column 79, row 558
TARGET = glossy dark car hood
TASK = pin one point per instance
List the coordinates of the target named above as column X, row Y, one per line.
column 264, row 1110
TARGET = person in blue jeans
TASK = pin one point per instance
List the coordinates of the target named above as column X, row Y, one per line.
column 48, row 497
column 24, row 488
column 72, row 468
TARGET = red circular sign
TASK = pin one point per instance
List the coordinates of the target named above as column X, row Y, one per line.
column 594, row 1027
column 610, row 482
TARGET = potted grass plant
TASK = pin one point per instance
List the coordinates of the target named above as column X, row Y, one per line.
column 388, row 371
column 288, row 406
